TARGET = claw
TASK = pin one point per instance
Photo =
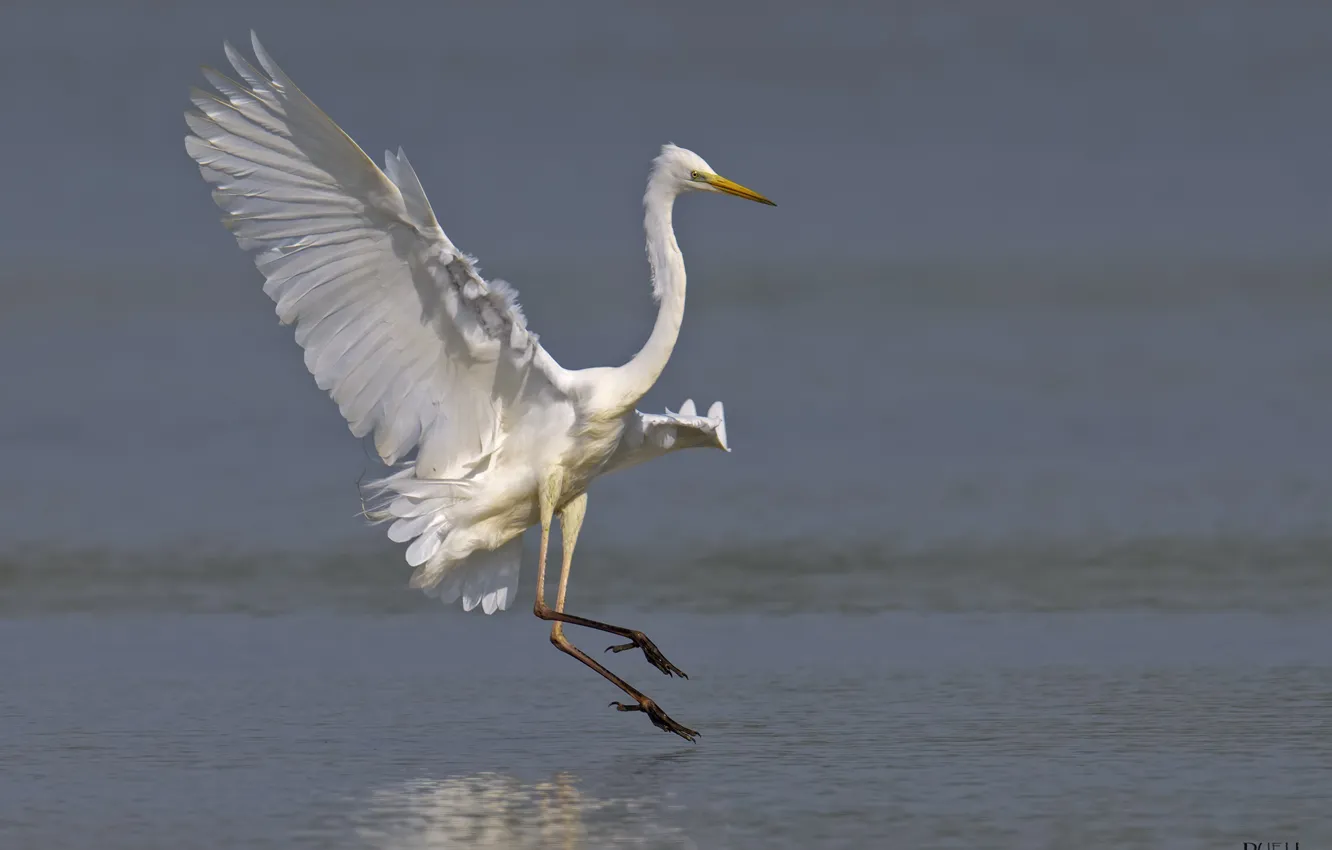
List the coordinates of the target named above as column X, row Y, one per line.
column 650, row 651
column 659, row 718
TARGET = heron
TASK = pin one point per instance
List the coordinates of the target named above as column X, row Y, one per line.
column 484, row 432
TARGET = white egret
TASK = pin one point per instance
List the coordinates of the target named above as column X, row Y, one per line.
column 419, row 350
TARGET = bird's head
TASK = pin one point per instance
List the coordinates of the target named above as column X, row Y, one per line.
column 685, row 171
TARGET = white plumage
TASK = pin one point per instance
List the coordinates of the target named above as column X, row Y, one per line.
column 419, row 350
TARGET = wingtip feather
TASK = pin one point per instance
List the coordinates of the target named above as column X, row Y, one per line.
column 718, row 413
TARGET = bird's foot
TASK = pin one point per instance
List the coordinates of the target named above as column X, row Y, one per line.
column 659, row 718
column 654, row 656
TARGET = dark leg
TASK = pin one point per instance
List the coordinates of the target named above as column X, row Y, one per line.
column 642, row 703
column 571, row 521
column 636, row 639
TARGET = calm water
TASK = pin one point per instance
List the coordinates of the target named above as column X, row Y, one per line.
column 1115, row 729
column 1027, row 534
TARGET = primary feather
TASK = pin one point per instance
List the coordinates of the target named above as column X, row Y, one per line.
column 394, row 319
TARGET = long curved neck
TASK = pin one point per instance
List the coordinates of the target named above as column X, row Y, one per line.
column 636, row 377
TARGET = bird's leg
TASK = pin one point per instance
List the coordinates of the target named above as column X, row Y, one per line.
column 636, row 638
column 547, row 508
column 571, row 522
column 547, row 494
column 650, row 651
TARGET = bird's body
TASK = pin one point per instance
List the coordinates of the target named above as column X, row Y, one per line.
column 420, row 351
column 497, row 506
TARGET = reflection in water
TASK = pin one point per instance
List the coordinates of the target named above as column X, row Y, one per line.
column 491, row 810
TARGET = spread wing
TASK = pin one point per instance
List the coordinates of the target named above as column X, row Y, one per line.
column 413, row 345
column 650, row 435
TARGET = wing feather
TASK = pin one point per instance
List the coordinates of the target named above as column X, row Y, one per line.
column 649, row 435
column 397, row 325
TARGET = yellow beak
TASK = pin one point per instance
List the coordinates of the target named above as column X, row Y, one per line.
column 721, row 184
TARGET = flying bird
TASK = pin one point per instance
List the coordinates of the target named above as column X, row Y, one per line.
column 490, row 434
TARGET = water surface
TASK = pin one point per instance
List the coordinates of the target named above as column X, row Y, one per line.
column 1103, row 730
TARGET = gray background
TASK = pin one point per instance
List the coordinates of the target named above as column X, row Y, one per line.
column 1024, row 540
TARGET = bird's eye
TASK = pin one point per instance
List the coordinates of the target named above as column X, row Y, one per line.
column 694, row 175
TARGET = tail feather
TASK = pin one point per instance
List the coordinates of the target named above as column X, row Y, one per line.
column 424, row 548
column 406, row 506
column 423, row 513
column 485, row 578
column 412, row 527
